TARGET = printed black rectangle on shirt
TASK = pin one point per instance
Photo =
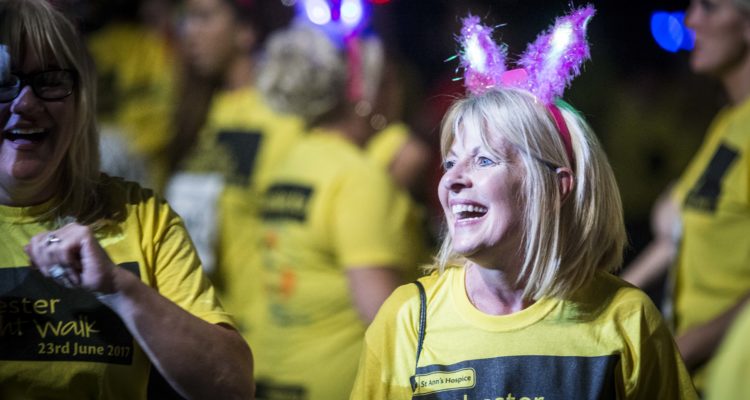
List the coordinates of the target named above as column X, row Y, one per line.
column 532, row 377
column 286, row 201
column 243, row 147
column 707, row 190
column 43, row 321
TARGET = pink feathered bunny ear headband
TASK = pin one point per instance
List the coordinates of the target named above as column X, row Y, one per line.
column 546, row 68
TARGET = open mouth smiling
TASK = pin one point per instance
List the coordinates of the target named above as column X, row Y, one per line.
column 465, row 212
column 31, row 134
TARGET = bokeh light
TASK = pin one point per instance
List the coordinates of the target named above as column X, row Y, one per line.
column 318, row 11
column 670, row 32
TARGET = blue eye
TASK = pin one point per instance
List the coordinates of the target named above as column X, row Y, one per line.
column 484, row 162
column 448, row 164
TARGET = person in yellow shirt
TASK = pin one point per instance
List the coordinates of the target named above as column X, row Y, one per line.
column 99, row 281
column 137, row 64
column 522, row 302
column 704, row 220
column 225, row 162
column 334, row 227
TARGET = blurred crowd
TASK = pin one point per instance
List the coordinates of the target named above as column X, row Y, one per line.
column 225, row 108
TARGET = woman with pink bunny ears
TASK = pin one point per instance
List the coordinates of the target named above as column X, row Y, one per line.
column 522, row 303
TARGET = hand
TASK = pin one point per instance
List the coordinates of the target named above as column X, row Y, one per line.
column 73, row 258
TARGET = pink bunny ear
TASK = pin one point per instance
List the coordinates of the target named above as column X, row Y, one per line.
column 555, row 58
column 482, row 59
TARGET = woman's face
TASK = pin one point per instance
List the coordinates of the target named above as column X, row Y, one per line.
column 36, row 135
column 721, row 36
column 210, row 36
column 482, row 200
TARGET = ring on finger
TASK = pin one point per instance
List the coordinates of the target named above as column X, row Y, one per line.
column 52, row 238
column 58, row 273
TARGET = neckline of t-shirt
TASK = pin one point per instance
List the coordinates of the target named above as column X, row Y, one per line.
column 25, row 214
column 496, row 323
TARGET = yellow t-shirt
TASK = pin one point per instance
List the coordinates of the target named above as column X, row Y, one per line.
column 386, row 144
column 327, row 208
column 608, row 341
column 731, row 367
column 59, row 343
column 217, row 192
column 135, row 66
column 383, row 148
column 712, row 270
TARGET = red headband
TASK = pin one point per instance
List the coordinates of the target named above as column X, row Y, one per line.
column 562, row 130
column 518, row 77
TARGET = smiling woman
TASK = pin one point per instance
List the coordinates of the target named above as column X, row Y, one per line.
column 40, row 162
column 523, row 287
column 539, row 203
column 104, row 269
column 703, row 219
column 480, row 194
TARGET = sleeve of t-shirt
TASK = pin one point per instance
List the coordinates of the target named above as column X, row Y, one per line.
column 178, row 273
column 657, row 370
column 388, row 356
column 366, row 231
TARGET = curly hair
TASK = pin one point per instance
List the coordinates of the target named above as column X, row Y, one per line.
column 303, row 73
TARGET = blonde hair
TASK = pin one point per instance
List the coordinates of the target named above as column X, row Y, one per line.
column 35, row 26
column 564, row 243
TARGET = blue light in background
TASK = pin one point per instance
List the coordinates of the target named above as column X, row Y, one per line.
column 670, row 32
column 340, row 19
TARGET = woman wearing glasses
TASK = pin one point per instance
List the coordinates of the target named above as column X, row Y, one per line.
column 98, row 279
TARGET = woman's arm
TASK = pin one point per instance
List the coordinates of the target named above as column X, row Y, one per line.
column 199, row 359
column 659, row 254
column 370, row 286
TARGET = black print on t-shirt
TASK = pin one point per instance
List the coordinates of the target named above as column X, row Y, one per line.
column 274, row 391
column 243, row 147
column 705, row 194
column 286, row 202
column 43, row 321
column 519, row 377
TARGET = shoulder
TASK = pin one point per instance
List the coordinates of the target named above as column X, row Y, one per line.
column 732, row 125
column 129, row 199
column 403, row 305
column 738, row 114
column 344, row 159
column 127, row 191
column 612, row 298
column 385, row 144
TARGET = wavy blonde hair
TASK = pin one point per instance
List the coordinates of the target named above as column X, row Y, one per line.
column 36, row 26
column 564, row 243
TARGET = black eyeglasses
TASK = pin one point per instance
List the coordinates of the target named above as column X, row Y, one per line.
column 47, row 85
